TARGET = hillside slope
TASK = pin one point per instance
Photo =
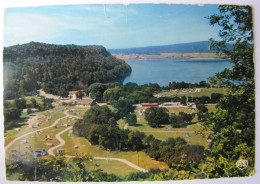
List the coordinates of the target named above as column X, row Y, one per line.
column 57, row 68
column 193, row 47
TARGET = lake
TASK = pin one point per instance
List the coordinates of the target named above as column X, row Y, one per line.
column 163, row 71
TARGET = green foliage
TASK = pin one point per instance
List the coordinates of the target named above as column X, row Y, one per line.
column 34, row 103
column 181, row 120
column 80, row 94
column 233, row 125
column 157, row 116
column 11, row 112
column 57, row 169
column 123, row 107
column 175, row 152
column 100, row 128
column 131, row 119
column 57, row 68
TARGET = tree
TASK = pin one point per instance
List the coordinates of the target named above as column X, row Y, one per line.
column 79, row 94
column 157, row 116
column 181, row 120
column 233, row 125
column 19, row 103
column 123, row 106
column 34, row 103
column 131, row 119
column 96, row 91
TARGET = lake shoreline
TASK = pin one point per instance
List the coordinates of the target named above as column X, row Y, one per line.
column 169, row 56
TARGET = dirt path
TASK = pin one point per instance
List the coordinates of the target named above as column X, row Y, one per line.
column 124, row 161
column 46, row 95
column 62, row 142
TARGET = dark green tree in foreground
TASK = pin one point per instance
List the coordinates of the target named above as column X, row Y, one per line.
column 233, row 125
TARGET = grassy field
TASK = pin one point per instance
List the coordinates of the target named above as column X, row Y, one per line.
column 138, row 158
column 203, row 92
column 81, row 111
column 38, row 141
column 211, row 107
column 111, row 167
column 12, row 134
column 166, row 131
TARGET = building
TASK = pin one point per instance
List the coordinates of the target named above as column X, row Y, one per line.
column 149, row 104
column 86, row 102
column 171, row 104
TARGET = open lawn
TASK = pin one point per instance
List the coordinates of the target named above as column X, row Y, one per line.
column 138, row 158
column 55, row 114
column 166, row 131
column 112, row 167
column 80, row 110
column 142, row 124
column 38, row 141
column 211, row 107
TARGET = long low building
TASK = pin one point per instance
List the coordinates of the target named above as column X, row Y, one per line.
column 149, row 104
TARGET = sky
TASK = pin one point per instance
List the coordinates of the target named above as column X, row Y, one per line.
column 113, row 26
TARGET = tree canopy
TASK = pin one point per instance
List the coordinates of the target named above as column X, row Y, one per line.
column 233, row 125
column 57, row 68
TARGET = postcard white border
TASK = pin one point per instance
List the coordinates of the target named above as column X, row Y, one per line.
column 256, row 9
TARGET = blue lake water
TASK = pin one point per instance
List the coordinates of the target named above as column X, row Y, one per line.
column 163, row 71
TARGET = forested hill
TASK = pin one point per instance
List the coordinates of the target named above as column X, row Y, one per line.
column 193, row 47
column 57, row 68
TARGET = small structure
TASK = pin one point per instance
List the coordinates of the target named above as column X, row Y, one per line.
column 17, row 129
column 171, row 104
column 188, row 135
column 76, row 146
column 23, row 141
column 47, row 138
column 39, row 153
column 86, row 102
column 49, row 144
column 28, row 147
column 31, row 126
column 60, row 150
column 38, row 132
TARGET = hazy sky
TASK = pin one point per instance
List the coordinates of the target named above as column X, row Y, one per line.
column 113, row 26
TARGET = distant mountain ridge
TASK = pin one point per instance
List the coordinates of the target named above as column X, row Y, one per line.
column 192, row 47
